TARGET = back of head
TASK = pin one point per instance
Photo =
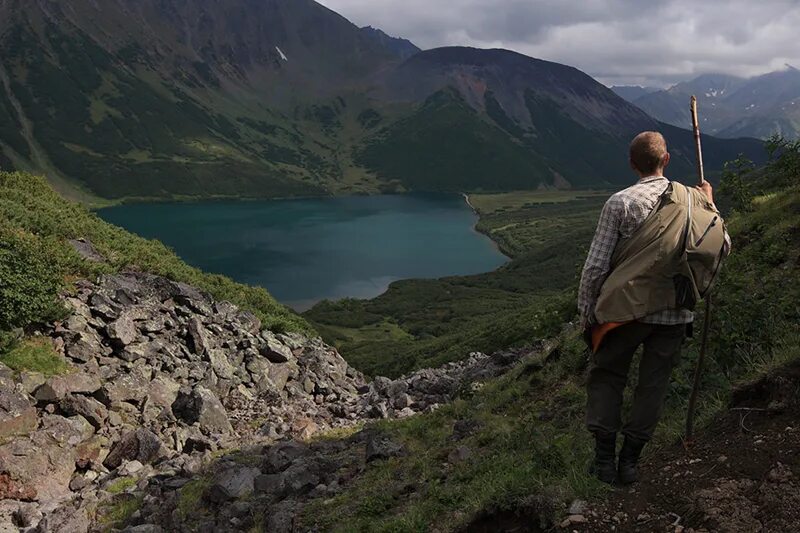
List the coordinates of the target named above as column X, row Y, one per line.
column 648, row 152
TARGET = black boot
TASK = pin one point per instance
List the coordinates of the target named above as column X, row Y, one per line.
column 628, row 458
column 605, row 455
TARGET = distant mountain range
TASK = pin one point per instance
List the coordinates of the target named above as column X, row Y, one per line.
column 266, row 98
column 731, row 107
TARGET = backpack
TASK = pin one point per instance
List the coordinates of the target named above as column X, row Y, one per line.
column 705, row 247
column 669, row 262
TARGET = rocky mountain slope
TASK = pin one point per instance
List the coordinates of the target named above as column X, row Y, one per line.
column 158, row 379
column 732, row 107
column 285, row 97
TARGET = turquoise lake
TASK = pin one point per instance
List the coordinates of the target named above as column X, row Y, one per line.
column 307, row 250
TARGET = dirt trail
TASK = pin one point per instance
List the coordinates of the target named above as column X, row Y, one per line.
column 742, row 474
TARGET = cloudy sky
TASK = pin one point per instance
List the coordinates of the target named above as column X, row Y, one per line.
column 616, row 41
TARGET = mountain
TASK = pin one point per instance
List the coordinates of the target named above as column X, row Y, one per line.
column 733, row 107
column 403, row 48
column 522, row 123
column 266, row 98
column 632, row 92
column 151, row 98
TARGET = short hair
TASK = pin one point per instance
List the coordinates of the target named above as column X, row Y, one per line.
column 648, row 151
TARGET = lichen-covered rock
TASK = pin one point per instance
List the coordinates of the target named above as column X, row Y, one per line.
column 122, row 331
column 201, row 406
column 233, row 482
column 17, row 414
column 141, row 445
column 58, row 387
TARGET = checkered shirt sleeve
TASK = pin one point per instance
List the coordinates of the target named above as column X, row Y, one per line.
column 598, row 262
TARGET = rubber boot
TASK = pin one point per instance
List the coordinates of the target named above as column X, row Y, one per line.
column 604, row 466
column 628, row 459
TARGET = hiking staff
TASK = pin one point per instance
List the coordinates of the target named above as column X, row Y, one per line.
column 698, row 372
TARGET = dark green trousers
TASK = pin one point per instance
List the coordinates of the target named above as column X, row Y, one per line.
column 608, row 376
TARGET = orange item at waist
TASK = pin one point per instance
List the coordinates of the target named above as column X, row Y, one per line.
column 600, row 331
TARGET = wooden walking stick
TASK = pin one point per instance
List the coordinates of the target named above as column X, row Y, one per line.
column 698, row 372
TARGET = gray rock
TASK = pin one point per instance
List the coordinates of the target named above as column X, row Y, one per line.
column 279, row 375
column 68, row 518
column 381, row 447
column 141, row 445
column 17, row 414
column 274, row 350
column 232, row 483
column 220, row 364
column 301, row 477
column 125, row 387
column 85, row 406
column 201, row 406
column 281, row 518
column 283, row 454
column 84, row 346
column 122, row 331
column 58, row 387
column 199, row 340
column 273, row 484
column 86, row 250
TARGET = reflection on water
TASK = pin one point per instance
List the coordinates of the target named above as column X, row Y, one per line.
column 307, row 250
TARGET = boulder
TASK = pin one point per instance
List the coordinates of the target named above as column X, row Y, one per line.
column 11, row 489
column 58, row 387
column 302, row 477
column 66, row 431
column 122, row 331
column 140, row 445
column 162, row 392
column 275, row 350
column 70, row 518
column 279, row 375
column 199, row 338
column 39, row 465
column 283, row 454
column 273, row 484
column 381, row 447
column 232, row 483
column 125, row 387
column 201, row 406
column 84, row 346
column 17, row 414
column 220, row 364
column 85, row 406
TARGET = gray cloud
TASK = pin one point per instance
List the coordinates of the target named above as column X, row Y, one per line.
column 617, row 41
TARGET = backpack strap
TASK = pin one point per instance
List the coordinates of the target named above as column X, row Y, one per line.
column 688, row 226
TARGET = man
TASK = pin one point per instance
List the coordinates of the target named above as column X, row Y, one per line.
column 662, row 333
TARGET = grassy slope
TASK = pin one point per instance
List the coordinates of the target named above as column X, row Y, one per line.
column 420, row 323
column 31, row 210
column 529, row 449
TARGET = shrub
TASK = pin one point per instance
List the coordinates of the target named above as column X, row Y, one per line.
column 31, row 274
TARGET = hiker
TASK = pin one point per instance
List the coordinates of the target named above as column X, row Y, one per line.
column 630, row 297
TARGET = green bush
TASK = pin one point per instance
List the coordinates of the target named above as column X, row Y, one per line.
column 37, row 225
column 31, row 274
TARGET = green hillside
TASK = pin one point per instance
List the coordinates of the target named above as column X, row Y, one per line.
column 525, row 443
column 37, row 260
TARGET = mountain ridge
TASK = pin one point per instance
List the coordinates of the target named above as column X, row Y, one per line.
column 732, row 106
column 286, row 98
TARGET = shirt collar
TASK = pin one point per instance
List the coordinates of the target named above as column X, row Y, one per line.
column 650, row 179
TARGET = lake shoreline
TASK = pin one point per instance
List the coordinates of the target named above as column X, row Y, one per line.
column 305, row 251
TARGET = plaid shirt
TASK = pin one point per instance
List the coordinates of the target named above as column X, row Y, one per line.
column 621, row 216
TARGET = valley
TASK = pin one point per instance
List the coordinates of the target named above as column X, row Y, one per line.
column 266, row 270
